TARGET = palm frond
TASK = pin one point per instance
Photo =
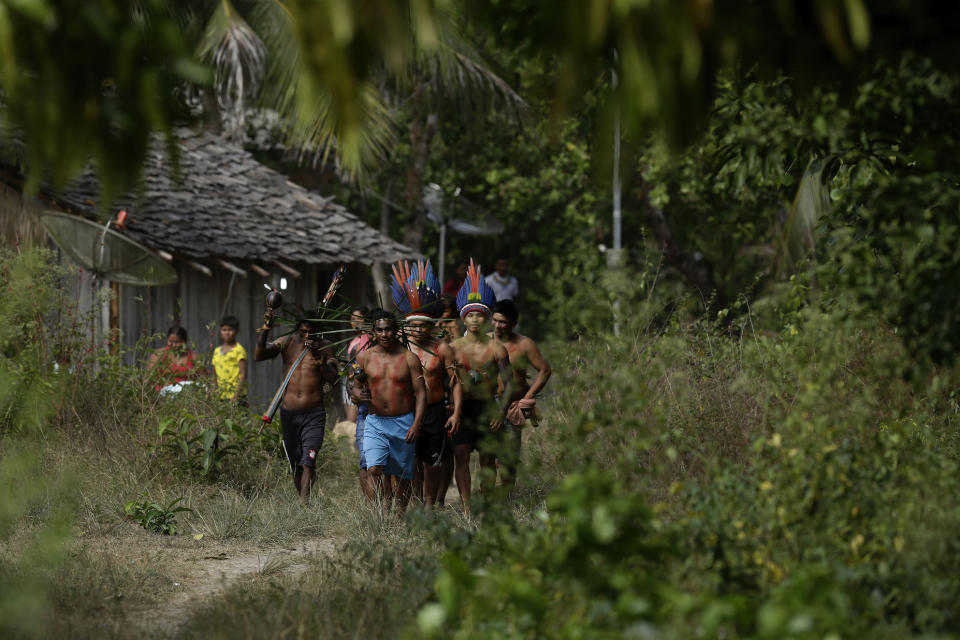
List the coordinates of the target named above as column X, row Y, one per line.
column 455, row 70
column 239, row 59
column 810, row 205
column 256, row 43
column 314, row 125
column 358, row 141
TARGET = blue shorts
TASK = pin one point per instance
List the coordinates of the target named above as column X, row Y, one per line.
column 362, row 410
column 384, row 444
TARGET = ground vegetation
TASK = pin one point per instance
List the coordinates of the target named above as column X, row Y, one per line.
column 766, row 448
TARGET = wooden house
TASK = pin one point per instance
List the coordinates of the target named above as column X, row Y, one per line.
column 228, row 225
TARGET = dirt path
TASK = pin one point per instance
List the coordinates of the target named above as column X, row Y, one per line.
column 209, row 575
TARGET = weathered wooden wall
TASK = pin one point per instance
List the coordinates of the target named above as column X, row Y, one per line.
column 197, row 301
column 19, row 218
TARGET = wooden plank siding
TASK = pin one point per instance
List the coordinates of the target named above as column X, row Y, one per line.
column 197, row 301
column 19, row 219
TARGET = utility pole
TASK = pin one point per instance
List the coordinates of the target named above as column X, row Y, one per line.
column 615, row 256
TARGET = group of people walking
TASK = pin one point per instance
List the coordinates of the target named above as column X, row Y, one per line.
column 427, row 385
column 427, row 394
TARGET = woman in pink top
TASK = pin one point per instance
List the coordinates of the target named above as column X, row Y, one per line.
column 358, row 344
column 174, row 363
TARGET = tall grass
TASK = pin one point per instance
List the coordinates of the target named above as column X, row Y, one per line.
column 803, row 485
column 687, row 481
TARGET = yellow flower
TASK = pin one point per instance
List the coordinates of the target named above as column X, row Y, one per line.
column 774, row 573
column 856, row 543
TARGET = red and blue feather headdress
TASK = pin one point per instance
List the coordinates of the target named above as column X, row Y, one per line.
column 416, row 290
column 475, row 295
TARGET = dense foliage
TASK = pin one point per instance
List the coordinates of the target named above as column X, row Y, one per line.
column 747, row 459
column 864, row 188
column 797, row 489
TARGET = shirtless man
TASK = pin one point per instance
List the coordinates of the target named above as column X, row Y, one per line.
column 482, row 360
column 440, row 373
column 358, row 411
column 397, row 398
column 523, row 353
column 302, row 412
column 447, row 329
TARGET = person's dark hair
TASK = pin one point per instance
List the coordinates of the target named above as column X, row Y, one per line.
column 449, row 305
column 230, row 321
column 507, row 308
column 382, row 314
column 361, row 310
column 178, row 331
column 312, row 325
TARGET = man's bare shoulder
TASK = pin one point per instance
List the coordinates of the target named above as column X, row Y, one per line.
column 445, row 350
column 412, row 360
column 525, row 343
column 500, row 351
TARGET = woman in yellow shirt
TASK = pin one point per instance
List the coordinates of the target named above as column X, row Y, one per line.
column 230, row 362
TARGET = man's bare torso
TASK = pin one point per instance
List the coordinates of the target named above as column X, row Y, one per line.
column 517, row 347
column 433, row 356
column 389, row 380
column 305, row 390
column 480, row 370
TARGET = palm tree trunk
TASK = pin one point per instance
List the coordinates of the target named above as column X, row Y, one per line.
column 378, row 270
column 421, row 135
column 212, row 120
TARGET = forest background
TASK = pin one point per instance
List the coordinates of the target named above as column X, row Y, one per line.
column 767, row 446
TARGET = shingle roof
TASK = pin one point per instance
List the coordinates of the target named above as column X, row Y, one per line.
column 228, row 205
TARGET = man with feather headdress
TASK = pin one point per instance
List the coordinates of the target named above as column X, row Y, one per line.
column 417, row 293
column 483, row 361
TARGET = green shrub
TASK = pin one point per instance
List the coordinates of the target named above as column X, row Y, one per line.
column 204, row 452
column 589, row 566
column 804, row 488
column 848, row 470
column 36, row 504
column 155, row 517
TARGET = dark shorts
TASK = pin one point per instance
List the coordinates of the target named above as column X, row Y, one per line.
column 302, row 435
column 432, row 445
column 504, row 444
column 474, row 422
